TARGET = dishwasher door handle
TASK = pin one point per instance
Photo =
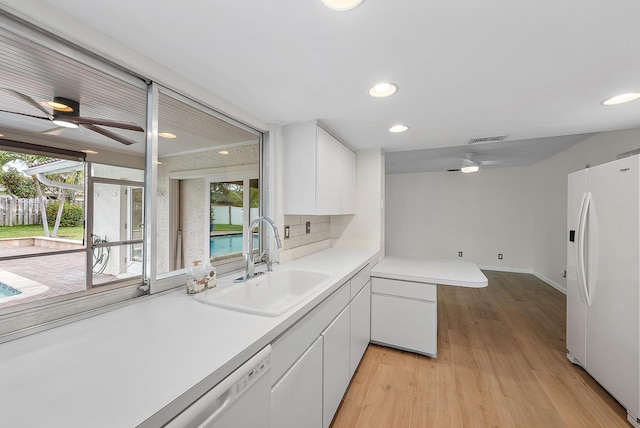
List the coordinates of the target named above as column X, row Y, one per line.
column 226, row 399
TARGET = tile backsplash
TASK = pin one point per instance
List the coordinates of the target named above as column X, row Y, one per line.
column 320, row 230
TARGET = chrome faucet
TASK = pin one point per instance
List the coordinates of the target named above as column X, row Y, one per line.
column 250, row 263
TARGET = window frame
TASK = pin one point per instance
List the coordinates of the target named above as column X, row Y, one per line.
column 21, row 320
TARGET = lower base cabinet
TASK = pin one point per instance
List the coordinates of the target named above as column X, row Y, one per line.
column 404, row 315
column 360, row 326
column 296, row 399
column 336, row 339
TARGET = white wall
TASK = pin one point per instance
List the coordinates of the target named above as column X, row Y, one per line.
column 437, row 214
column 366, row 228
column 519, row 212
column 550, row 197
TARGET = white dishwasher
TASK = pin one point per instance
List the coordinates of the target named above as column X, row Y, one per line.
column 241, row 400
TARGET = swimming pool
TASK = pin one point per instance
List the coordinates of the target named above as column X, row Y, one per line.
column 6, row 291
column 226, row 244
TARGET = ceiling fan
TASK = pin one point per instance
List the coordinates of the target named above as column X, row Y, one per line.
column 469, row 164
column 66, row 114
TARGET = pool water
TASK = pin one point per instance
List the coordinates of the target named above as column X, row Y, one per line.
column 226, row 244
column 6, row 291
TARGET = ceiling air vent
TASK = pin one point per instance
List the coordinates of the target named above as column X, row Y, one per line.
column 483, row 140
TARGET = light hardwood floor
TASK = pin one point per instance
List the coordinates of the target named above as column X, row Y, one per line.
column 501, row 363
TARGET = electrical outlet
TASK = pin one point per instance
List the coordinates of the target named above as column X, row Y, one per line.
column 308, row 227
column 287, row 231
column 500, row 256
column 564, row 273
column 459, row 253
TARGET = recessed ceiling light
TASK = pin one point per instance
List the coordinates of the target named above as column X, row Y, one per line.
column 57, row 106
column 398, row 128
column 1, row 135
column 89, row 152
column 223, row 152
column 383, row 89
column 341, row 5
column 623, row 98
column 166, row 135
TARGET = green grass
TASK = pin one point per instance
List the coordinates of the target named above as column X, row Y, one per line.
column 227, row 227
column 33, row 230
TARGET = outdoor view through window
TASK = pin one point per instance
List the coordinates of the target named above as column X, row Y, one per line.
column 42, row 234
column 41, row 212
column 95, row 210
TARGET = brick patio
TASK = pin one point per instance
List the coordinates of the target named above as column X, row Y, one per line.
column 62, row 273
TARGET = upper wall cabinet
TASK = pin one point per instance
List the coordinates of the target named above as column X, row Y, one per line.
column 319, row 172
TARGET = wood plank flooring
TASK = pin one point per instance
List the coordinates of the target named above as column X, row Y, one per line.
column 501, row 363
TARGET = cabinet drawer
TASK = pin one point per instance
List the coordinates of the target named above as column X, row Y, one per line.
column 403, row 323
column 359, row 280
column 411, row 290
column 288, row 347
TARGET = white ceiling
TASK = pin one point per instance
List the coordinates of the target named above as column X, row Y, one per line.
column 465, row 69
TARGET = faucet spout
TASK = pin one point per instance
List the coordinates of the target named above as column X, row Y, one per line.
column 250, row 264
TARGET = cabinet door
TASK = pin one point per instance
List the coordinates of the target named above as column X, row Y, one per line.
column 404, row 323
column 336, row 340
column 299, row 173
column 348, row 180
column 329, row 174
column 296, row 400
column 360, row 326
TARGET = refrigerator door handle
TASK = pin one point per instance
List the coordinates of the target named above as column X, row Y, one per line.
column 582, row 227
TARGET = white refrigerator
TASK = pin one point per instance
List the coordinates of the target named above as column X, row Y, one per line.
column 603, row 278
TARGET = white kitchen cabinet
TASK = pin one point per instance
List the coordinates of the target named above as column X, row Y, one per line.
column 319, row 172
column 360, row 326
column 296, row 399
column 404, row 315
column 336, row 346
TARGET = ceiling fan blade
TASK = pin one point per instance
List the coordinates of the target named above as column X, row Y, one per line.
column 53, row 131
column 112, row 135
column 24, row 114
column 27, row 99
column 106, row 122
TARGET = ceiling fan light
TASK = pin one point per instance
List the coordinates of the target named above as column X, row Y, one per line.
column 341, row 5
column 470, row 168
column 65, row 124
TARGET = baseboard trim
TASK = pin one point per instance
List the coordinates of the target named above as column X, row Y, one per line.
column 548, row 281
column 560, row 288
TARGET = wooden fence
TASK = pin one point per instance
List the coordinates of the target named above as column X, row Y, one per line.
column 15, row 212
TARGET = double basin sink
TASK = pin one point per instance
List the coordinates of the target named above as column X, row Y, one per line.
column 269, row 294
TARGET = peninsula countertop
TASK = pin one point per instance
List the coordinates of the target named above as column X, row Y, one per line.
column 433, row 271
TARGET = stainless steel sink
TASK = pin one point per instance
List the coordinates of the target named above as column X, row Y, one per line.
column 270, row 294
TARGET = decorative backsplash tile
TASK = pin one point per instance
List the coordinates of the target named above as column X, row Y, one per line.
column 320, row 229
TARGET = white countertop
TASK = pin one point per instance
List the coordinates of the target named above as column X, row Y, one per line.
column 434, row 271
column 139, row 363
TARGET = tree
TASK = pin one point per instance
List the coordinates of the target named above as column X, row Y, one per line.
column 16, row 184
